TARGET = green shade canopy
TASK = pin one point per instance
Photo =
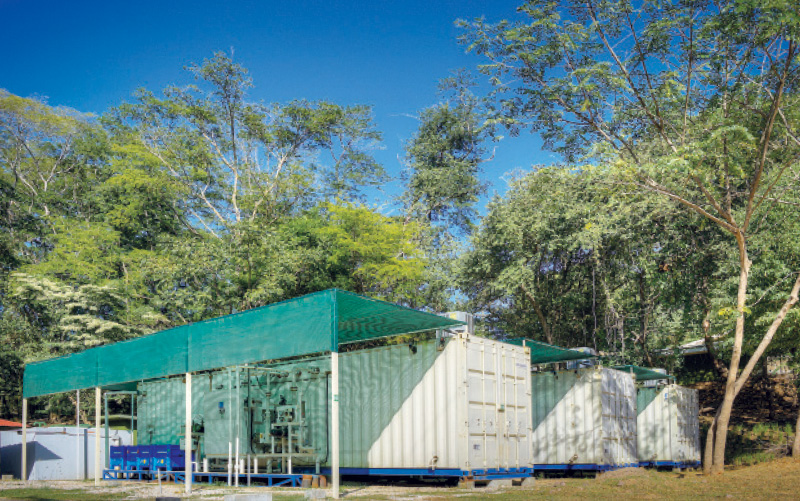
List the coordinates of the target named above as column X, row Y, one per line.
column 642, row 373
column 543, row 353
column 314, row 323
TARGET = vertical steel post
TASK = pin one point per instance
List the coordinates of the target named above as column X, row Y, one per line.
column 107, row 463
column 188, row 435
column 78, row 465
column 97, row 403
column 133, row 413
column 24, row 440
column 335, row 424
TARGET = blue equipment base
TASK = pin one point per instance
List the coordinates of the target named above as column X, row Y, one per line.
column 583, row 467
column 483, row 474
column 670, row 464
column 272, row 480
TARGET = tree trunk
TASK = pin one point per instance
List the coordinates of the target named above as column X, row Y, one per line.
column 548, row 335
column 721, row 432
column 796, row 444
column 708, row 454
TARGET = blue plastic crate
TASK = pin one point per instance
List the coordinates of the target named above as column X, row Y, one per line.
column 118, row 457
column 143, row 458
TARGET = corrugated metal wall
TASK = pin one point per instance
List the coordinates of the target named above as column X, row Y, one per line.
column 464, row 406
column 160, row 409
column 587, row 416
column 668, row 421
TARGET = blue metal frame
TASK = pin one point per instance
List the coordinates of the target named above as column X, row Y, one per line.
column 272, row 480
column 481, row 474
column 669, row 464
column 583, row 467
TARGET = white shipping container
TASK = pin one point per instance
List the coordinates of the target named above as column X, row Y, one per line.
column 669, row 425
column 470, row 408
column 584, row 417
column 459, row 403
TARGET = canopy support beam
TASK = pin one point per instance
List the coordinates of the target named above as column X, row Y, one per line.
column 78, row 465
column 98, row 401
column 335, row 424
column 24, row 440
column 187, row 472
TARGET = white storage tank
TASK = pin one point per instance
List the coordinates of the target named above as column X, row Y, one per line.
column 669, row 426
column 584, row 419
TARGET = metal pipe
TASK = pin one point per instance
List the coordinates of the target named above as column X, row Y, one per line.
column 230, row 465
column 24, row 440
column 187, row 463
column 97, row 403
column 236, row 465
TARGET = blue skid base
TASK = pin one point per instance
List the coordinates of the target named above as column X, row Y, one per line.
column 272, row 480
column 669, row 464
column 484, row 474
column 583, row 467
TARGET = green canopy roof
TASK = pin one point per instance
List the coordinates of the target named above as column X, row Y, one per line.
column 543, row 353
column 642, row 373
column 314, row 323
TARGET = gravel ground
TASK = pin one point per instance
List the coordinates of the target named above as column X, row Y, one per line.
column 148, row 490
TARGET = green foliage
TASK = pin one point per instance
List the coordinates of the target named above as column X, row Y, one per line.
column 444, row 158
column 568, row 258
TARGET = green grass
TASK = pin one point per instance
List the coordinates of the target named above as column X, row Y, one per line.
column 753, row 444
column 39, row 493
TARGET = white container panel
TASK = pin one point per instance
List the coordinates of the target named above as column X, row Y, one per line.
column 669, row 424
column 460, row 413
column 583, row 417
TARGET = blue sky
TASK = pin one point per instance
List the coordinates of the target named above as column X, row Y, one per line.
column 92, row 55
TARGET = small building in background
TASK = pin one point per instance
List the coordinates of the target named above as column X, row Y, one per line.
column 54, row 452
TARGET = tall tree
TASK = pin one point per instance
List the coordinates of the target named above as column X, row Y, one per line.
column 239, row 161
column 693, row 100
column 444, row 158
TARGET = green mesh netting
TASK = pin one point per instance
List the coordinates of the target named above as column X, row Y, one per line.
column 314, row 323
column 642, row 373
column 543, row 353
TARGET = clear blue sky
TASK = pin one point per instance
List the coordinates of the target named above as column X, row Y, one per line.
column 389, row 54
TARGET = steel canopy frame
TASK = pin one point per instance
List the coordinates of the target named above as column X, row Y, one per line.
column 315, row 323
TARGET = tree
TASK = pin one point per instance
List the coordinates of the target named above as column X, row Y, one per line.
column 379, row 253
column 38, row 150
column 444, row 159
column 238, row 161
column 695, row 101
column 570, row 259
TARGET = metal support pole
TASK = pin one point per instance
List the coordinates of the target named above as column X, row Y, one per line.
column 107, row 463
column 24, row 440
column 133, row 413
column 188, row 435
column 335, row 425
column 230, row 464
column 97, row 403
column 79, row 467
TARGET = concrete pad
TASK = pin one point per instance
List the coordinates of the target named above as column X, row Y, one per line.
column 316, row 494
column 494, row 485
